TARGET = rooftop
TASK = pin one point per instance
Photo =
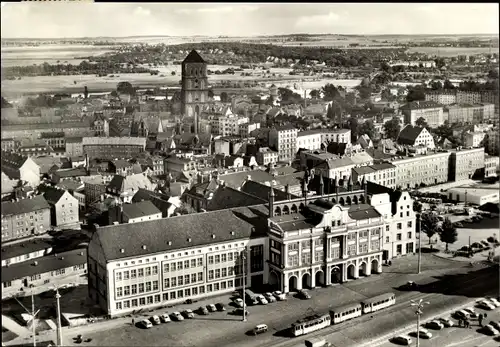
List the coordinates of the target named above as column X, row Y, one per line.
column 363, row 211
column 140, row 209
column 22, row 248
column 24, row 206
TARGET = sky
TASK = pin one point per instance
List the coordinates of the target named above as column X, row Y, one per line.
column 81, row 19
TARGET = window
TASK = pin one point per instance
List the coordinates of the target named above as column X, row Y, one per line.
column 134, row 302
column 210, row 260
column 172, row 295
column 200, row 261
column 118, row 305
column 336, row 252
column 293, row 260
column 157, row 298
column 223, row 258
column 173, row 267
column 193, row 262
column 200, row 276
column 133, row 273
column 409, row 235
column 126, row 290
column 134, row 289
column 180, row 280
column 150, row 300
column 186, row 264
column 186, row 279
column 306, row 258
column 126, row 275
column 409, row 224
column 386, row 228
column 387, row 239
column 202, row 289
column 399, row 226
column 142, row 301
column 166, row 283
column 173, row 281
column 217, row 273
column 166, row 267
column 187, row 292
column 179, row 265
column 217, row 259
column 216, row 287
column 155, row 270
column 318, row 256
column 155, row 285
column 230, row 256
column 211, row 274
column 398, row 237
column 119, row 291
column 224, row 272
column 209, row 288
column 375, row 245
column 148, row 271
column 351, row 250
column 141, row 288
column 195, row 291
column 305, row 244
column 140, row 272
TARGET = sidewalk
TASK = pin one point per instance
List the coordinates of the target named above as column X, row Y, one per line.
column 477, row 257
column 11, row 325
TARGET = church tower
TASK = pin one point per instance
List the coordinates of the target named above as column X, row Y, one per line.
column 194, row 93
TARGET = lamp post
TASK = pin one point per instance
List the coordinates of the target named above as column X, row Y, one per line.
column 32, row 313
column 419, row 226
column 59, row 328
column 243, row 258
column 420, row 305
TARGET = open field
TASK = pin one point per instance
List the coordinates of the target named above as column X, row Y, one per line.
column 452, row 51
column 23, row 56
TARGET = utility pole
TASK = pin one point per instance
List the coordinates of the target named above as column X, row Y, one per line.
column 419, row 226
column 32, row 313
column 59, row 328
column 243, row 258
column 418, row 312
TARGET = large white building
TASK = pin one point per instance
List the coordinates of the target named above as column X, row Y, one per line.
column 431, row 111
column 284, row 140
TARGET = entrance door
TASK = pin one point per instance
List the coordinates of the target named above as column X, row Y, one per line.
column 399, row 249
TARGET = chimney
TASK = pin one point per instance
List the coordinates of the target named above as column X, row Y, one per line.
column 271, row 203
column 144, row 247
column 287, row 190
column 213, row 236
column 321, row 185
column 122, row 250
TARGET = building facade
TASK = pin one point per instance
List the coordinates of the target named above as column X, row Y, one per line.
column 113, row 147
column 491, row 165
column 24, row 218
column 284, row 140
column 20, row 167
column 310, row 140
column 474, row 139
column 431, row 111
column 428, row 169
column 466, row 163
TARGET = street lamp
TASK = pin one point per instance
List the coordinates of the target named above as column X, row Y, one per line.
column 32, row 313
column 59, row 328
column 243, row 258
column 419, row 226
column 420, row 306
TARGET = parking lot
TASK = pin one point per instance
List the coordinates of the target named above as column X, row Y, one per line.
column 456, row 336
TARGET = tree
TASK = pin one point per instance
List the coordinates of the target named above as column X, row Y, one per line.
column 330, row 92
column 493, row 74
column 392, row 128
column 173, row 73
column 368, row 128
column 314, row 94
column 224, row 97
column 429, row 224
column 421, row 122
column 436, row 85
column 210, row 93
column 184, row 209
column 415, row 94
column 448, row 85
column 386, row 95
column 417, row 206
column 448, row 233
column 125, row 88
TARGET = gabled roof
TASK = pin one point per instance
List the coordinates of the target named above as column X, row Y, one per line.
column 262, row 191
column 235, row 180
column 409, row 134
column 140, row 209
column 193, row 57
column 181, row 232
column 52, row 194
column 12, row 160
column 363, row 211
column 227, row 197
column 24, row 206
column 21, row 248
column 129, row 183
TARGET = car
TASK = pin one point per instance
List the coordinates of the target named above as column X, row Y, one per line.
column 238, row 302
column 146, row 324
column 458, row 225
column 435, row 325
column 304, row 294
column 165, row 318
column 424, row 333
column 238, row 312
column 446, row 322
column 402, row 340
column 494, row 302
column 155, row 320
column 261, row 299
column 203, row 311
column 177, row 316
column 495, row 325
column 461, row 314
column 211, row 308
column 188, row 314
column 477, row 245
column 471, row 312
column 485, row 243
column 486, row 305
column 279, row 295
column 259, row 329
column 220, row 307
column 410, row 285
column 270, row 297
column 490, row 330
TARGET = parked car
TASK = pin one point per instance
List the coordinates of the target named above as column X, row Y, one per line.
column 402, row 340
column 164, row 317
column 485, row 243
column 146, row 324
column 177, row 316
column 446, row 322
column 270, row 297
column 203, row 311
column 303, row 294
column 486, row 305
column 490, row 330
column 279, row 295
column 461, row 314
column 410, row 285
column 211, row 308
column 220, row 307
column 477, row 245
column 495, row 325
column 435, row 325
column 155, row 320
column 188, row 314
column 239, row 312
column 259, row 329
column 261, row 299
column 458, row 225
column 238, row 302
column 471, row 312
column 494, row 302
column 423, row 333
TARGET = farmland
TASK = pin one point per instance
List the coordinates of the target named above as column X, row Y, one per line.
column 452, row 51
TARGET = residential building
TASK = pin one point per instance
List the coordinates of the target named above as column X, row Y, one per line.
column 55, row 140
column 21, row 252
column 164, row 203
column 175, row 164
column 162, row 262
column 246, row 128
column 309, row 139
column 491, row 165
column 429, row 169
column 266, row 156
column 443, row 97
column 157, row 165
column 448, row 97
column 25, row 218
column 284, row 140
column 64, row 207
column 415, row 136
column 126, row 186
column 100, row 124
column 9, row 145
column 466, row 163
column 229, row 124
column 474, row 139
column 431, row 111
column 74, row 146
column 493, row 140
column 469, row 113
column 140, row 212
column 35, row 148
column 113, row 147
column 336, row 135
column 95, row 187
column 121, row 167
column 399, row 233
column 64, row 269
column 21, row 131
column 20, row 167
column 383, row 174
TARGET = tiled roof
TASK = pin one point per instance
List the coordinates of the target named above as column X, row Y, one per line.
column 418, row 105
column 235, row 180
column 363, row 211
column 12, row 160
column 227, row 197
column 140, row 209
column 24, row 206
column 70, row 185
column 78, row 171
column 44, row 264
column 52, row 194
column 22, row 248
column 285, row 127
column 114, row 141
column 121, row 163
column 131, row 182
column 193, row 57
column 409, row 134
column 181, row 232
column 262, row 191
column 363, row 170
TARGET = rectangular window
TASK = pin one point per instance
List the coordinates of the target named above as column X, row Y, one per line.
column 140, row 272
column 126, row 290
column 386, row 228
column 187, row 292
column 209, row 288
column 186, row 264
column 118, row 305
column 201, row 289
column 216, row 287
column 200, row 276
column 351, row 250
column 230, row 256
column 375, row 244
column 173, row 282
column 210, row 260
column 193, row 278
column 157, row 298
column 166, row 283
column 155, row 285
column 193, row 262
column 142, row 301
column 336, row 253
column 134, row 289
column 223, row 258
column 186, row 279
column 134, row 302
column 141, row 288
column 119, row 292
column 409, row 235
column 224, row 272
column 387, row 239
column 150, row 300
column 409, row 224
column 179, row 265
column 180, row 294
column 118, row 276
column 305, row 244
column 230, row 271
column 217, row 259
column 180, row 280
column 133, row 273
column 148, row 286
column 155, row 270
column 200, row 261
column 172, row 295
column 217, row 273
column 399, row 226
column 211, row 274
column 126, row 275
column 148, row 271
column 195, row 291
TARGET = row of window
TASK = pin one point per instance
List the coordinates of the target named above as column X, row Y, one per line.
column 135, row 289
column 182, row 280
column 179, row 294
column 186, row 264
column 136, row 273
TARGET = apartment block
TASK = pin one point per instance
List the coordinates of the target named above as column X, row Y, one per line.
column 24, row 218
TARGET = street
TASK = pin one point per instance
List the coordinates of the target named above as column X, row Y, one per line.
column 444, row 283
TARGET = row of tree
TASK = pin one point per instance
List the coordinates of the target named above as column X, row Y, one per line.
column 430, row 225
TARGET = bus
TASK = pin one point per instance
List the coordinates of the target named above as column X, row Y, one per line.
column 309, row 324
column 343, row 313
column 378, row 302
column 250, row 297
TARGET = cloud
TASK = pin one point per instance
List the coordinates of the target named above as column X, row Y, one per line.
column 140, row 11
column 218, row 9
column 322, row 20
